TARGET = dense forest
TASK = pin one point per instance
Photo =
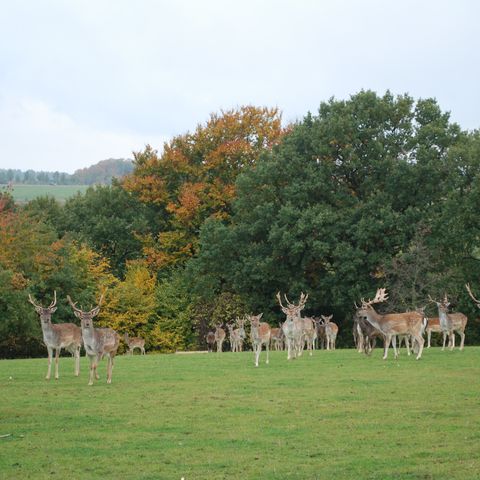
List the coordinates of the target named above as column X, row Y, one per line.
column 373, row 191
column 101, row 173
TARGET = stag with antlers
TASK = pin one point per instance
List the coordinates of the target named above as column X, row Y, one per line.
column 393, row 324
column 450, row 322
column 293, row 325
column 260, row 333
column 98, row 341
column 58, row 336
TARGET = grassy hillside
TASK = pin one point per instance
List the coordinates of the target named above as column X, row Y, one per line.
column 335, row 415
column 25, row 193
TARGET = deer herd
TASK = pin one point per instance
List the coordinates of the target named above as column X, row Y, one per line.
column 295, row 334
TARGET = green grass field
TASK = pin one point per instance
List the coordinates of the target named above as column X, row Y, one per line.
column 25, row 193
column 334, row 415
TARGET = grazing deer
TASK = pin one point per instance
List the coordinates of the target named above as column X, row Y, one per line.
column 97, row 341
column 133, row 343
column 219, row 337
column 276, row 338
column 451, row 322
column 58, row 336
column 408, row 323
column 293, row 325
column 210, row 337
column 331, row 331
column 259, row 335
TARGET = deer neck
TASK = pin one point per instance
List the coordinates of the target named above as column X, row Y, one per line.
column 374, row 319
column 49, row 334
column 444, row 320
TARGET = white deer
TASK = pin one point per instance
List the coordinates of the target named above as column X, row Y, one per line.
column 293, row 325
column 97, row 341
column 259, row 335
column 393, row 324
column 58, row 336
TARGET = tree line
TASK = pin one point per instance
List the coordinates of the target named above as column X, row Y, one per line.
column 101, row 173
column 373, row 191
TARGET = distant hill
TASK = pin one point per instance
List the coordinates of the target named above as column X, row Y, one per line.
column 100, row 173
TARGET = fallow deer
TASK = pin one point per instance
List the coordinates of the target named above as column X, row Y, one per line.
column 408, row 323
column 321, row 335
column 451, row 322
column 58, row 336
column 293, row 325
column 237, row 335
column 433, row 326
column 276, row 338
column 210, row 338
column 259, row 335
column 331, row 331
column 366, row 333
column 309, row 334
column 219, row 337
column 133, row 343
column 97, row 341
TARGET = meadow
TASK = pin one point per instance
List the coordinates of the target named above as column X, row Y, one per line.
column 25, row 193
column 215, row 416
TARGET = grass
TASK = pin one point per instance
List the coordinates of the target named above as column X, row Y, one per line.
column 335, row 415
column 25, row 193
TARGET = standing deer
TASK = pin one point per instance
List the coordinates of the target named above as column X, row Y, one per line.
column 133, row 343
column 210, row 337
column 408, row 323
column 276, row 338
column 321, row 335
column 433, row 325
column 309, row 333
column 259, row 335
column 237, row 335
column 331, row 331
column 451, row 322
column 58, row 336
column 97, row 341
column 219, row 337
column 293, row 325
column 366, row 334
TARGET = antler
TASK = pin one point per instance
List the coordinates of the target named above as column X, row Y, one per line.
column 73, row 305
column 467, row 286
column 303, row 299
column 290, row 304
column 54, row 302
column 30, row 299
column 380, row 296
column 94, row 311
column 279, row 299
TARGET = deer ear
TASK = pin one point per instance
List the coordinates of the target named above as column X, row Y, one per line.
column 260, row 316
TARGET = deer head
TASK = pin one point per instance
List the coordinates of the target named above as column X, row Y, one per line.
column 254, row 319
column 86, row 318
column 326, row 319
column 477, row 302
column 442, row 305
column 45, row 312
column 292, row 310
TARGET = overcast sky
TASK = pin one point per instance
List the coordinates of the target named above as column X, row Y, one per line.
column 82, row 81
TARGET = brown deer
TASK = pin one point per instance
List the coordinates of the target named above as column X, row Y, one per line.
column 260, row 333
column 219, row 337
column 276, row 338
column 366, row 334
column 451, row 322
column 293, row 325
column 133, row 343
column 210, row 338
column 97, row 341
column 237, row 335
column 433, row 326
column 408, row 323
column 321, row 335
column 58, row 336
column 331, row 331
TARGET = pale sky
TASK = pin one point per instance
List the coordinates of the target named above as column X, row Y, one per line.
column 86, row 80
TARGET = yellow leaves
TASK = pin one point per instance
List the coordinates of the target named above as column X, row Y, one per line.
column 168, row 249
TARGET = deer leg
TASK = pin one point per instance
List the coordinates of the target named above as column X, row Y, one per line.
column 267, row 349
column 57, row 354
column 444, row 340
column 110, row 368
column 93, row 366
column 388, row 339
column 429, row 335
column 420, row 340
column 77, row 361
column 50, row 354
column 407, row 344
column 462, row 339
column 452, row 336
column 394, row 345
